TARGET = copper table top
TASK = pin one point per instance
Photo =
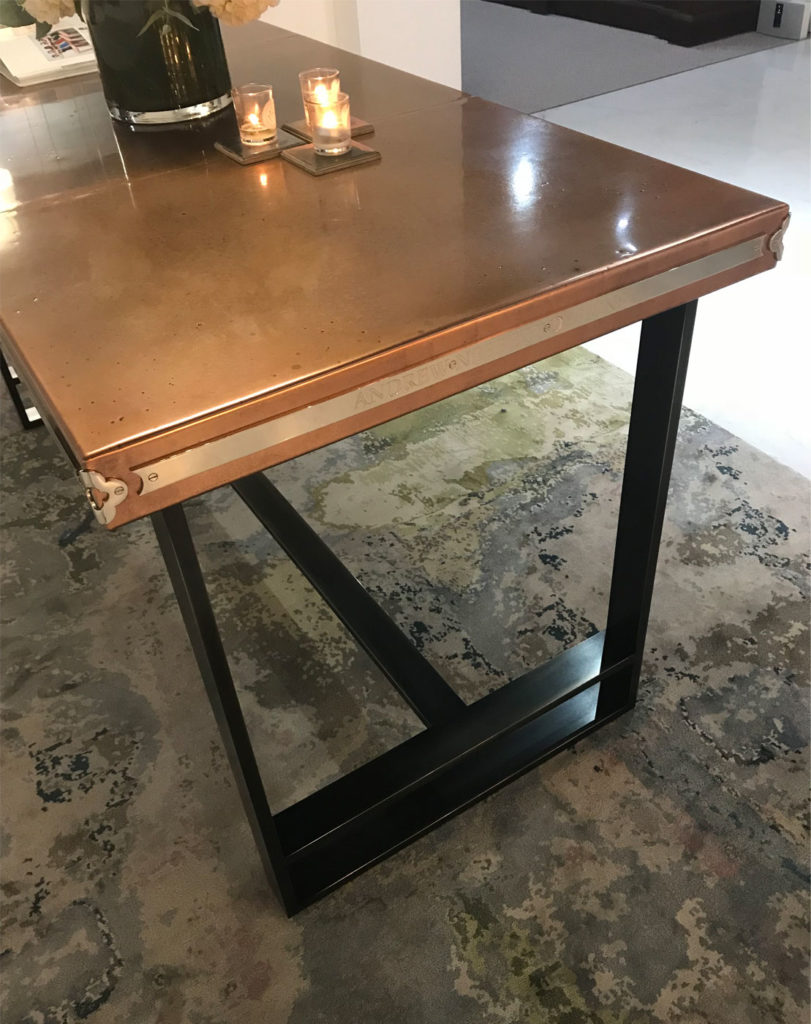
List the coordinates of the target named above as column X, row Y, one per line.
column 161, row 300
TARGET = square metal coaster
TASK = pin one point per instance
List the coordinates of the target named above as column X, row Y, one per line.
column 242, row 154
column 356, row 126
column 308, row 160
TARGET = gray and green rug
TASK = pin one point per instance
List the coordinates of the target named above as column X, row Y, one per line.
column 655, row 873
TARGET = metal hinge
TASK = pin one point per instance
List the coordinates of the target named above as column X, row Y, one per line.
column 116, row 491
column 776, row 241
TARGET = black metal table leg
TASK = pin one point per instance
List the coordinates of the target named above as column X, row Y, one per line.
column 664, row 349
column 28, row 415
column 178, row 552
column 466, row 751
column 419, row 683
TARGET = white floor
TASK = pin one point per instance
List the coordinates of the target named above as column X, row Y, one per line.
column 747, row 121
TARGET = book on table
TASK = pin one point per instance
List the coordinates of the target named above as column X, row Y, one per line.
column 65, row 51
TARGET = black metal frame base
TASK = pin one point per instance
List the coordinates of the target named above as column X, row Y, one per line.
column 28, row 415
column 465, row 751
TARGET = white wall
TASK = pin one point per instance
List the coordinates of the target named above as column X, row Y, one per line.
column 330, row 21
column 420, row 36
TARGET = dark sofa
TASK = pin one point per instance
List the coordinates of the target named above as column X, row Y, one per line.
column 682, row 22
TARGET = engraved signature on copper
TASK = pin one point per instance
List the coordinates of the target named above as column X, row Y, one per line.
column 414, row 380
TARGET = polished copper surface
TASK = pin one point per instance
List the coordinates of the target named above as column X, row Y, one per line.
column 205, row 297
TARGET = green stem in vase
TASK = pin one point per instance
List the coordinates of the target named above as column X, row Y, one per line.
column 164, row 14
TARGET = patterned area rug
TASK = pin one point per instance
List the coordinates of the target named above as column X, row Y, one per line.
column 657, row 872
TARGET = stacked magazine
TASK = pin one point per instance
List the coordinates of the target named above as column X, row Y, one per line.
column 62, row 53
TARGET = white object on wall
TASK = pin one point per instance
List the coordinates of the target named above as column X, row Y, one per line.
column 788, row 19
column 420, row 36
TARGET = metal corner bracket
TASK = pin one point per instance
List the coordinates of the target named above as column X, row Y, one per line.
column 116, row 491
column 776, row 240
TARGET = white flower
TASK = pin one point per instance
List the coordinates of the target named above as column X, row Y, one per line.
column 236, row 12
column 49, row 11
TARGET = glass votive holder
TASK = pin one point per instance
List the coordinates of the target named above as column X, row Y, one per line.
column 256, row 113
column 330, row 126
column 319, row 85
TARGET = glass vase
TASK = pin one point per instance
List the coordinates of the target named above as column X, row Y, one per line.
column 160, row 61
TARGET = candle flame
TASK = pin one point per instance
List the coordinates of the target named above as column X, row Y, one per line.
column 321, row 94
column 330, row 119
column 254, row 120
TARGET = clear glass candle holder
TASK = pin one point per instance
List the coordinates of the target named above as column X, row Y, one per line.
column 330, row 126
column 319, row 85
column 256, row 113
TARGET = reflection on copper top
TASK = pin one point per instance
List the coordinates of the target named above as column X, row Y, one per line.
column 58, row 137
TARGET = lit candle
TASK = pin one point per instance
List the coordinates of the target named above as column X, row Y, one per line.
column 320, row 86
column 256, row 114
column 330, row 126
